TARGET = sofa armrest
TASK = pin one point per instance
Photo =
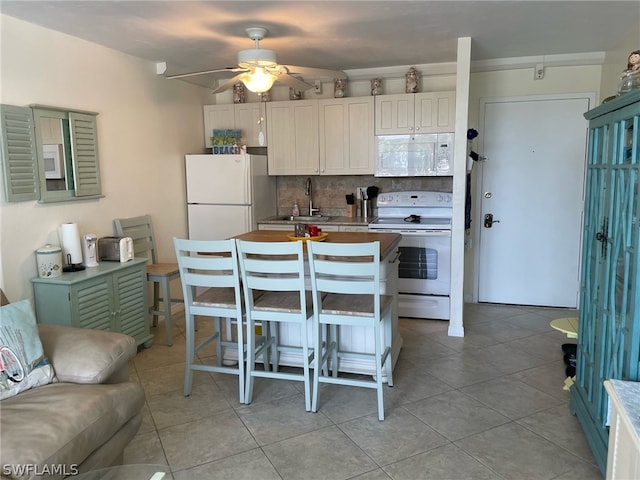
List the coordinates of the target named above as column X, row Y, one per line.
column 80, row 355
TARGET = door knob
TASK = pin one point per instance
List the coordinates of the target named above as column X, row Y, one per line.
column 489, row 221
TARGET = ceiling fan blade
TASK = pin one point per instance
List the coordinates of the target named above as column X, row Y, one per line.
column 227, row 69
column 228, row 84
column 315, row 72
column 293, row 82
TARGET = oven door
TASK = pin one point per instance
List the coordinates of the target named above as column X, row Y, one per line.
column 425, row 262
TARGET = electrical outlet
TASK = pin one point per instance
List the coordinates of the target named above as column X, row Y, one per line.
column 538, row 73
column 362, row 191
column 317, row 86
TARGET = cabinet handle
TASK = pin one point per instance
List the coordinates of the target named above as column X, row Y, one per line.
column 417, row 128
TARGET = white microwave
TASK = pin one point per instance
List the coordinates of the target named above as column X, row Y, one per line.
column 424, row 155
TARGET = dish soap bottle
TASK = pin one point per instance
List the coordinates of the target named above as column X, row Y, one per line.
column 296, row 210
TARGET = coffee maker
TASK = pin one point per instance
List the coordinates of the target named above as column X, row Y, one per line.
column 89, row 253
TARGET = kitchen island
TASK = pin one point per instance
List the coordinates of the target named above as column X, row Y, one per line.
column 355, row 339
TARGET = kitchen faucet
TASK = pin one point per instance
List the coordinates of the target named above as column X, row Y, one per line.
column 308, row 191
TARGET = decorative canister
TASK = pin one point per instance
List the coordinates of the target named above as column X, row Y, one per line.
column 265, row 96
column 49, row 260
column 411, row 78
column 339, row 87
column 294, row 94
column 376, row 86
column 239, row 93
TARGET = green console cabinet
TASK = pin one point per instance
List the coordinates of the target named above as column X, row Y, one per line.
column 111, row 296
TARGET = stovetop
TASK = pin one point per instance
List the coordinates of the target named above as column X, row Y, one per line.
column 422, row 223
column 416, row 210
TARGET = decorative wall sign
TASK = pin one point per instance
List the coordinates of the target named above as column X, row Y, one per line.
column 226, row 142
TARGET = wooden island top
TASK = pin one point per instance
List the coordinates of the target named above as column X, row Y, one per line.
column 388, row 241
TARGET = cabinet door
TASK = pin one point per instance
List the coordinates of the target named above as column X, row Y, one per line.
column 435, row 112
column 293, row 137
column 19, row 158
column 608, row 337
column 217, row 116
column 394, row 114
column 346, row 136
column 92, row 304
column 249, row 117
column 130, row 301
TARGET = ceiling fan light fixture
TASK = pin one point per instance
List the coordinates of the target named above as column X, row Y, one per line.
column 256, row 57
column 258, row 80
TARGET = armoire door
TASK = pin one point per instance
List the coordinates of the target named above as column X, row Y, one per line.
column 608, row 337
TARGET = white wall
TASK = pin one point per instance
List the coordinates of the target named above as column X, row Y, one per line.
column 145, row 126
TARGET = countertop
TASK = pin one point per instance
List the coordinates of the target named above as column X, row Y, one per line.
column 628, row 394
column 388, row 241
column 350, row 221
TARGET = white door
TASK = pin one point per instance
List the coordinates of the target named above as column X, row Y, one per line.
column 532, row 183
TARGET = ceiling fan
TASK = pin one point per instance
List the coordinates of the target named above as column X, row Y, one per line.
column 258, row 70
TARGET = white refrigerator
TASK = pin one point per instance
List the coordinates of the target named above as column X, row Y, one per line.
column 227, row 194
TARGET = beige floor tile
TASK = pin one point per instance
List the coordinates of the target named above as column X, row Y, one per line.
column 510, row 397
column 174, row 408
column 446, row 462
column 559, row 426
column 399, row 436
column 281, row 419
column 515, row 452
column 377, row 474
column 169, row 379
column 145, row 448
column 249, row 465
column 204, row 440
column 456, row 415
column 326, row 453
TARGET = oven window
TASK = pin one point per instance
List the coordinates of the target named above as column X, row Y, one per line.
column 419, row 263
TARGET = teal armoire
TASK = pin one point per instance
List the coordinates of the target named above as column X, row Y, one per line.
column 609, row 329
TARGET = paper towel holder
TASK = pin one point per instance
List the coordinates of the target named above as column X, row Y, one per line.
column 72, row 267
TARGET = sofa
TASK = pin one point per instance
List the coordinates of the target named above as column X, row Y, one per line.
column 84, row 418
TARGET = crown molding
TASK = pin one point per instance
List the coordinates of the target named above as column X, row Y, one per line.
column 399, row 71
column 495, row 64
column 513, row 63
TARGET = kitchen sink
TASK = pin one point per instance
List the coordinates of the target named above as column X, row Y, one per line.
column 302, row 218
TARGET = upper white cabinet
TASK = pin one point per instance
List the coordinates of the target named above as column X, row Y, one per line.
column 321, row 137
column 241, row 116
column 346, row 136
column 413, row 113
column 293, row 137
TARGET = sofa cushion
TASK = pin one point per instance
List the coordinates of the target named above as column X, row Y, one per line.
column 82, row 355
column 23, row 364
column 63, row 423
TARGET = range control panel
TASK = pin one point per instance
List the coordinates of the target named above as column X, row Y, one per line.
column 414, row 199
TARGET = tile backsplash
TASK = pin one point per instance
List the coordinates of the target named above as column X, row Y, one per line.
column 329, row 191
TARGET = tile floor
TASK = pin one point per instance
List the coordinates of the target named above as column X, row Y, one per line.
column 486, row 406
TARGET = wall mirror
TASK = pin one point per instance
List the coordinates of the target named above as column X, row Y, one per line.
column 67, row 154
column 49, row 154
column 53, row 142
